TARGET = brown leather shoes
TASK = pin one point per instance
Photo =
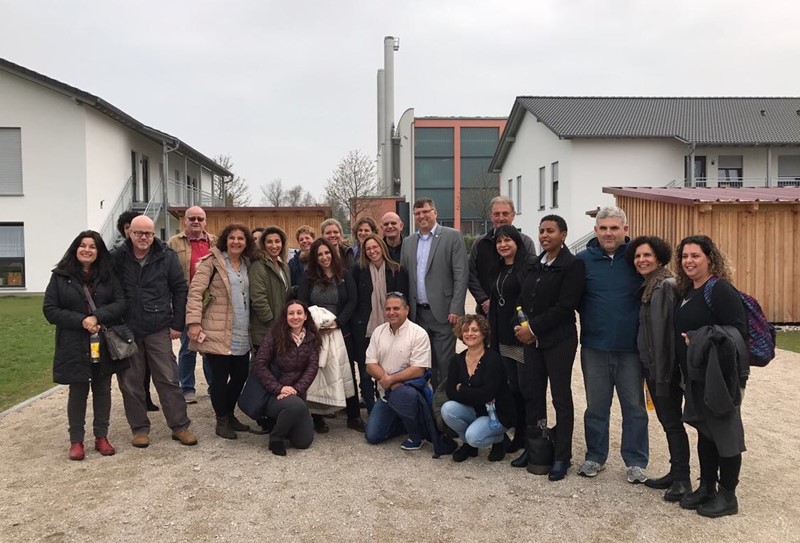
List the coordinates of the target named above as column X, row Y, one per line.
column 140, row 440
column 185, row 437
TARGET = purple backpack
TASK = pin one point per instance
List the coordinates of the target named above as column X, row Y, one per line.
column 760, row 333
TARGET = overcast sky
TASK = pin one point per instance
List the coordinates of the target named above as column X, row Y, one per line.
column 288, row 88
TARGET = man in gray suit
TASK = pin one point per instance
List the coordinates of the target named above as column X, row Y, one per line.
column 437, row 264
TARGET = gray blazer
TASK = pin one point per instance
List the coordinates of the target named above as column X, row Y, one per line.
column 446, row 276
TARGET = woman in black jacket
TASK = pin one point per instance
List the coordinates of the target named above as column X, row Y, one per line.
column 85, row 269
column 375, row 274
column 551, row 293
column 327, row 284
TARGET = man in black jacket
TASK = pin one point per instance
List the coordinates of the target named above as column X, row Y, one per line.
column 155, row 296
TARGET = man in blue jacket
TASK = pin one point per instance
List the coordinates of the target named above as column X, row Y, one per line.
column 155, row 297
column 609, row 359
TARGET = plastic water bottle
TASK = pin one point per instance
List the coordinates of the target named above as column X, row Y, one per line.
column 94, row 347
column 491, row 410
column 522, row 317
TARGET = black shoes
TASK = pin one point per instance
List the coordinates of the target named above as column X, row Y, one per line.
column 516, row 444
column 224, row 428
column 152, row 407
column 521, row 461
column 724, row 503
column 463, row 452
column 498, row 451
column 277, row 447
column 559, row 470
column 237, row 425
column 662, row 483
column 677, row 490
column 704, row 493
column 356, row 424
column 320, row 425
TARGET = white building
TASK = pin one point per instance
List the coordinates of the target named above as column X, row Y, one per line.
column 70, row 161
column 556, row 154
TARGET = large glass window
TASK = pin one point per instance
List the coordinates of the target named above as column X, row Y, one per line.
column 437, row 142
column 479, row 141
column 729, row 171
column 12, row 255
column 788, row 170
column 10, row 162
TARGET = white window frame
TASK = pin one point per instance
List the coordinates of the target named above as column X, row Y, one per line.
column 542, row 187
column 518, row 202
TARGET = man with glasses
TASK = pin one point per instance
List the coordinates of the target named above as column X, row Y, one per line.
column 191, row 245
column 155, row 296
column 437, row 264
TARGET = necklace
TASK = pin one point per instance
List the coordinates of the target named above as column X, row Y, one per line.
column 499, row 286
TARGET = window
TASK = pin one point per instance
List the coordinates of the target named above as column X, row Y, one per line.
column 10, row 162
column 554, row 180
column 788, row 170
column 729, row 171
column 12, row 255
column 510, row 189
column 518, row 202
column 542, row 180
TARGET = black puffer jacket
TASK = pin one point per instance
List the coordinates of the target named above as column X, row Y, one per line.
column 65, row 306
column 155, row 294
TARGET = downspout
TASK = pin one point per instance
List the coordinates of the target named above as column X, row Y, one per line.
column 164, row 185
column 769, row 163
column 692, row 182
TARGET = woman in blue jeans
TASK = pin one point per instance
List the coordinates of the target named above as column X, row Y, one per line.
column 477, row 380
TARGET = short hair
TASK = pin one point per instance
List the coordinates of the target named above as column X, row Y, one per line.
column 250, row 244
column 483, row 325
column 262, row 241
column 260, row 230
column 502, row 200
column 305, row 229
column 399, row 295
column 368, row 221
column 612, row 212
column 363, row 261
column 420, row 202
column 559, row 220
column 125, row 218
column 717, row 263
column 661, row 249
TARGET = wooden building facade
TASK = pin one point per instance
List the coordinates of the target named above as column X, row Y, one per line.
column 757, row 229
column 289, row 219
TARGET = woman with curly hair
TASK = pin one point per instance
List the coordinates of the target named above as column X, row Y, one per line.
column 710, row 310
column 649, row 255
column 84, row 272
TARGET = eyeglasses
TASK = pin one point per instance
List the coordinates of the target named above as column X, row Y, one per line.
column 139, row 234
column 195, row 219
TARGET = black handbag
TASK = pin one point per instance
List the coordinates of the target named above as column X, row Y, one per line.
column 119, row 338
column 253, row 399
column 540, row 444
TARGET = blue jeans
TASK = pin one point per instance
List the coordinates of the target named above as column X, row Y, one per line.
column 471, row 428
column 187, row 360
column 603, row 371
column 384, row 422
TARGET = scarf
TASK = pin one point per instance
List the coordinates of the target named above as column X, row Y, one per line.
column 652, row 281
column 377, row 316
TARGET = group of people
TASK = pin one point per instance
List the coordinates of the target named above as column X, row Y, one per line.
column 380, row 320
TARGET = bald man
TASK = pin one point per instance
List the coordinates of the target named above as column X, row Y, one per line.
column 191, row 245
column 392, row 228
column 155, row 295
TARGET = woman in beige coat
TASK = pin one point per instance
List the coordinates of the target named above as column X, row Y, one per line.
column 218, row 320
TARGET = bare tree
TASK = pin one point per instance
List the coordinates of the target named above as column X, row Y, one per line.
column 273, row 193
column 476, row 196
column 351, row 186
column 235, row 192
column 298, row 197
column 308, row 200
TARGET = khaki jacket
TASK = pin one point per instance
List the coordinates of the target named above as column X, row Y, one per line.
column 268, row 294
column 183, row 247
column 217, row 319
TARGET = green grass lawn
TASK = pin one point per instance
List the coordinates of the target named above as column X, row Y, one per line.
column 26, row 349
column 789, row 341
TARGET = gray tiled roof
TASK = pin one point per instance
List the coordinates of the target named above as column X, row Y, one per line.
column 694, row 120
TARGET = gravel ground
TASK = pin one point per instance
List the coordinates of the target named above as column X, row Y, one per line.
column 342, row 489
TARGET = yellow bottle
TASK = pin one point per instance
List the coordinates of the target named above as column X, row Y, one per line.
column 648, row 398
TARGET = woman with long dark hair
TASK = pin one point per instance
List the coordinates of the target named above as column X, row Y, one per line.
column 219, row 326
column 326, row 284
column 551, row 293
column 375, row 275
column 286, row 365
column 650, row 255
column 710, row 310
column 85, row 272
column 270, row 283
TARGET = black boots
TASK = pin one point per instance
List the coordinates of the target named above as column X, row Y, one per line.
column 224, row 428
column 237, row 425
column 463, row 452
column 677, row 490
column 724, row 503
column 277, row 447
column 704, row 493
column 521, row 461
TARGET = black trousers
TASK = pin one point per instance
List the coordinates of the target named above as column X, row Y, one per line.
column 512, row 373
column 228, row 374
column 292, row 421
column 553, row 364
column 669, row 410
column 101, row 405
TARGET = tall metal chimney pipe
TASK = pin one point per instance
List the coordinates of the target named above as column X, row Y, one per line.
column 390, row 45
